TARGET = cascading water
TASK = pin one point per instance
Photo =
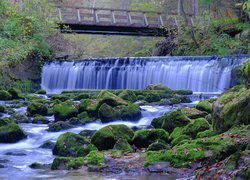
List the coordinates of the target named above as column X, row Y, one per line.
column 199, row 74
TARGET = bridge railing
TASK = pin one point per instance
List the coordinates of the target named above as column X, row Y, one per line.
column 114, row 17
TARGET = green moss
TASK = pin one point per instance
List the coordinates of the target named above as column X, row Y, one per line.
column 204, row 106
column 83, row 151
column 2, row 109
column 143, row 138
column 36, row 107
column 60, row 125
column 110, row 99
column 141, row 97
column 60, row 162
column 129, row 112
column 68, row 144
column 158, row 146
column 61, row 97
column 178, row 131
column 16, row 93
column 5, row 95
column 84, row 117
column 106, row 113
column 95, row 158
column 175, row 100
column 174, row 119
column 41, row 91
column 64, row 111
column 152, row 97
column 40, row 120
column 82, row 96
column 193, row 113
column 196, row 126
column 179, row 139
column 75, row 163
column 10, row 132
column 106, row 137
column 89, row 106
column 128, row 95
column 206, row 133
column 123, row 146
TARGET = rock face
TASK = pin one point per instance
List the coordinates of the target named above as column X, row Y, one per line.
column 231, row 109
column 106, row 137
column 10, row 132
column 69, row 145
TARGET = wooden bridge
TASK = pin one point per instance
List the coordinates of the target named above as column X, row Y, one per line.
column 86, row 20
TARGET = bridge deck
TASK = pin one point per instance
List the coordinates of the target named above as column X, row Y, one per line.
column 114, row 21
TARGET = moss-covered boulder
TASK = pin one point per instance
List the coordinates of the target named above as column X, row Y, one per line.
column 61, row 97
column 178, row 131
column 10, row 132
column 195, row 127
column 128, row 95
column 84, row 117
column 206, row 133
column 161, row 87
column 143, row 138
column 60, row 163
column 5, row 95
column 174, row 119
column 193, row 113
column 16, row 93
column 106, row 113
column 123, row 145
column 82, row 96
column 106, row 137
column 231, row 109
column 152, row 97
column 110, row 99
column 2, row 109
column 41, row 91
column 40, row 120
column 204, row 106
column 59, row 126
column 37, row 108
column 89, row 106
column 64, row 111
column 68, row 145
column 179, row 139
column 158, row 146
column 129, row 112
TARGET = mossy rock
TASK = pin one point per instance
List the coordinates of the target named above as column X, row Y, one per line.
column 37, row 108
column 175, row 100
column 198, row 125
column 193, row 113
column 143, row 138
column 64, row 111
column 204, row 106
column 5, row 95
column 68, row 145
column 206, row 150
column 107, row 114
column 141, row 97
column 174, row 119
column 84, row 151
column 123, row 145
column 82, row 96
column 158, row 146
column 20, row 118
column 178, row 131
column 206, row 133
column 161, row 87
column 59, row 126
column 40, row 120
column 47, row 145
column 129, row 112
column 110, row 99
column 41, row 91
column 106, row 137
column 16, row 93
column 128, row 95
column 95, row 158
column 2, row 109
column 60, row 163
column 10, row 132
column 60, row 97
column 229, row 112
column 179, row 139
column 87, row 133
column 84, row 117
column 152, row 97
column 89, row 106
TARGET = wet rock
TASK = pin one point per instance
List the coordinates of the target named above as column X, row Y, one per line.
column 20, row 118
column 128, row 95
column 16, row 93
column 15, row 154
column 60, row 125
column 198, row 125
column 193, row 113
column 159, row 167
column 87, row 133
column 64, row 111
column 123, row 146
column 37, row 108
column 2, row 166
column 47, row 145
column 40, row 120
column 39, row 166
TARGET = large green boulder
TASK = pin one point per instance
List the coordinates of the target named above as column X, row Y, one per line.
column 143, row 138
column 106, row 137
column 128, row 95
column 5, row 95
column 110, row 99
column 10, row 132
column 90, row 106
column 158, row 146
column 152, row 97
column 196, row 126
column 64, row 111
column 204, row 106
column 106, row 113
column 231, row 109
column 172, row 120
column 37, row 108
column 16, row 93
column 129, row 112
column 123, row 146
column 69, row 144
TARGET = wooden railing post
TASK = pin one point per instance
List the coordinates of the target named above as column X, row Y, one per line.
column 78, row 15
column 145, row 19
column 96, row 16
column 113, row 17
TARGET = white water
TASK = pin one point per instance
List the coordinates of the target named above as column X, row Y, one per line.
column 199, row 74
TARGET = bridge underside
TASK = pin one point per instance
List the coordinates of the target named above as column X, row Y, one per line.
column 113, row 30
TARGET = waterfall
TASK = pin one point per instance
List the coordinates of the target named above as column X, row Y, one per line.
column 199, row 74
